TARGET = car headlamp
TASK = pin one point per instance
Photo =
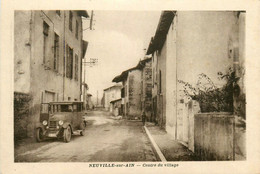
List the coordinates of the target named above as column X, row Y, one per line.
column 45, row 122
column 60, row 122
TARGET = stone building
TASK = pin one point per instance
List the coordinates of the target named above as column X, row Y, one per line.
column 110, row 94
column 146, row 87
column 137, row 90
column 48, row 52
column 186, row 44
column 131, row 92
column 116, row 107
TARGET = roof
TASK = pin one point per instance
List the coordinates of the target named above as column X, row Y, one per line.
column 164, row 24
column 124, row 74
column 114, row 86
column 83, row 13
column 141, row 63
column 113, row 101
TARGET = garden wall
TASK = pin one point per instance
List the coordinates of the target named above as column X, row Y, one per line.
column 214, row 136
column 21, row 115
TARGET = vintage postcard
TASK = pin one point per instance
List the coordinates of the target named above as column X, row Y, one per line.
column 92, row 87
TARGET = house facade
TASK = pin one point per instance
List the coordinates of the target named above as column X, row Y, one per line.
column 110, row 94
column 116, row 107
column 146, row 87
column 89, row 102
column 48, row 52
column 131, row 92
column 186, row 44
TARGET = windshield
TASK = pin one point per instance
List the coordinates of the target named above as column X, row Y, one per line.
column 65, row 108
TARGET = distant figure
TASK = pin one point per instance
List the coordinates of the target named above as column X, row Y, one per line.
column 143, row 118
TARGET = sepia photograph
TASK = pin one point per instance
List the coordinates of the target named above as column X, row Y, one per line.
column 129, row 86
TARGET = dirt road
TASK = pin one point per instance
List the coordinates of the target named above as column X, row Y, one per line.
column 106, row 140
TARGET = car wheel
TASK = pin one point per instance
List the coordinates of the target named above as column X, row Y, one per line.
column 82, row 133
column 67, row 134
column 82, row 128
column 39, row 135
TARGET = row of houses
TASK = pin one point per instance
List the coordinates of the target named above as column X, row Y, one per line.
column 48, row 53
column 187, row 47
column 136, row 90
column 132, row 93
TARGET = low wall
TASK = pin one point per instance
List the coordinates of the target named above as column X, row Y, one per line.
column 214, row 136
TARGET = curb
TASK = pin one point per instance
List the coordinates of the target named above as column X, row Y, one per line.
column 156, row 149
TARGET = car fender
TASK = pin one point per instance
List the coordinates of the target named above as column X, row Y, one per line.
column 39, row 125
column 65, row 125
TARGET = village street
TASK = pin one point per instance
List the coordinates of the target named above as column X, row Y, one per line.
column 193, row 101
column 106, row 140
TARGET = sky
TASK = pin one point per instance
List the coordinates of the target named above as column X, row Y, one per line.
column 118, row 42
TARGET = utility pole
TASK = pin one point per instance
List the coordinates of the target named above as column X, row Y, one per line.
column 91, row 63
column 91, row 22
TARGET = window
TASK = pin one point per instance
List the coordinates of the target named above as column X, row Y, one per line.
column 148, row 73
column 70, row 20
column 75, row 107
column 77, row 28
column 49, row 97
column 69, row 65
column 56, row 52
column 58, row 12
column 76, row 67
column 45, row 40
column 66, row 108
column 122, row 92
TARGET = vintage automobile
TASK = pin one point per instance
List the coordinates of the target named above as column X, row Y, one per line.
column 60, row 120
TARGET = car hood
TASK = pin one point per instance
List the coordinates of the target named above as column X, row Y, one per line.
column 61, row 116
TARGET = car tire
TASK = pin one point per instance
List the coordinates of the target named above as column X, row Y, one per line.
column 82, row 128
column 39, row 135
column 67, row 134
column 82, row 133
